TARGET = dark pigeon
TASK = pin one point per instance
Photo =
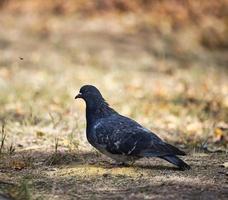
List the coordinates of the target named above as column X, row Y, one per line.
column 122, row 138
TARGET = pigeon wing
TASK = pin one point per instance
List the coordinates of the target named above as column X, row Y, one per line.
column 121, row 135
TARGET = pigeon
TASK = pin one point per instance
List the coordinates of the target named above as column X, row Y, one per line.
column 121, row 138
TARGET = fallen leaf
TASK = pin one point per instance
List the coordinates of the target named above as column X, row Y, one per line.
column 17, row 164
column 218, row 135
column 40, row 134
column 225, row 164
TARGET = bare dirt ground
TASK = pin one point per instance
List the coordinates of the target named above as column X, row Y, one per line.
column 90, row 176
column 166, row 81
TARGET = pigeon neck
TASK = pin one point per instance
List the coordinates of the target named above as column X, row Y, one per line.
column 99, row 111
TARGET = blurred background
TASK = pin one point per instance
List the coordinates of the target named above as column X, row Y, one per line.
column 163, row 63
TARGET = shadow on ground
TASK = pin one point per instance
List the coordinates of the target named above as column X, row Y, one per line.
column 86, row 175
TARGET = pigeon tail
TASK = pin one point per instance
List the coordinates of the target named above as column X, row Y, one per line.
column 175, row 150
column 176, row 161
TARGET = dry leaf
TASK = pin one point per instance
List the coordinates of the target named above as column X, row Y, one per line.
column 40, row 134
column 17, row 164
column 225, row 164
column 218, row 135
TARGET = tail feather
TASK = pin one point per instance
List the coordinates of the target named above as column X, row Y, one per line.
column 175, row 150
column 176, row 161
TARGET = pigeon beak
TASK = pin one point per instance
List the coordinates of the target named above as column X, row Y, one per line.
column 79, row 95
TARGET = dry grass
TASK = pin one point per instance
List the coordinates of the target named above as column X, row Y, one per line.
column 165, row 80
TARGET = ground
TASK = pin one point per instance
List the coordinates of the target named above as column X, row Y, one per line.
column 91, row 176
column 164, row 80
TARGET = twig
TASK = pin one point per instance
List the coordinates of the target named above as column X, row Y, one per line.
column 3, row 138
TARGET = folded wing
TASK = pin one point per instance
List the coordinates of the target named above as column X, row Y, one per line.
column 121, row 135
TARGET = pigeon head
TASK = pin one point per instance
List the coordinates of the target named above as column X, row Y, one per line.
column 91, row 95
